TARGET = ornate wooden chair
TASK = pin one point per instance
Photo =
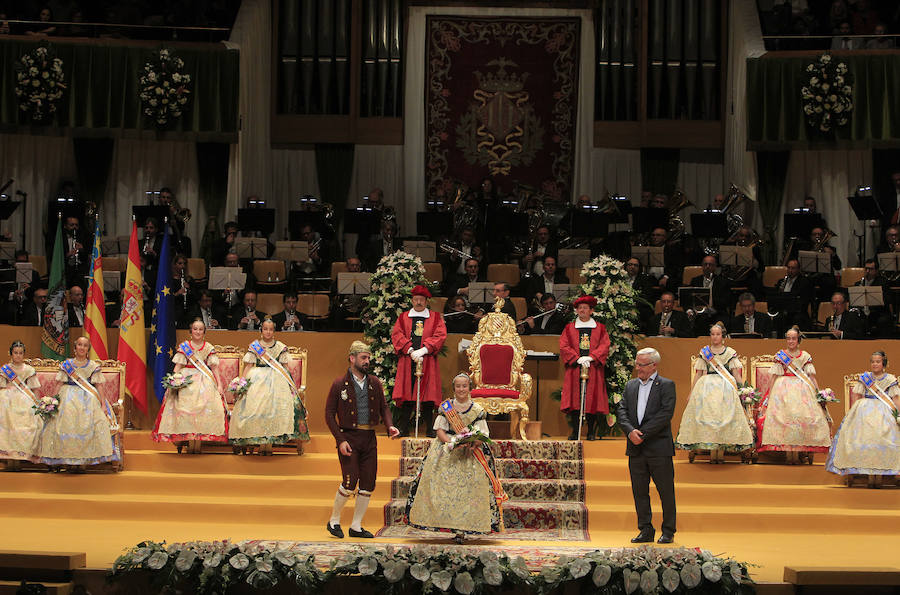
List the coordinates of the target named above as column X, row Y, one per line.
column 231, row 366
column 112, row 391
column 496, row 361
column 748, row 455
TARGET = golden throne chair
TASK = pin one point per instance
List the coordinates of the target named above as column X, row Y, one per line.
column 496, row 361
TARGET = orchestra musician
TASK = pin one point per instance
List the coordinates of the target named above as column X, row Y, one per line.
column 749, row 320
column 177, row 219
column 347, row 307
column 751, row 277
column 151, row 245
column 669, row 322
column 457, row 318
column 721, row 288
column 824, row 283
column 386, row 243
column 877, row 317
column 549, row 321
column 541, row 247
column 466, row 247
column 844, row 323
column 539, row 285
column 472, row 274
column 642, row 284
column 800, row 291
column 245, row 316
column 78, row 259
column 669, row 275
column 213, row 315
column 289, row 319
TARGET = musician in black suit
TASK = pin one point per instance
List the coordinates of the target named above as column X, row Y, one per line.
column 800, row 291
column 76, row 249
column 214, row 316
column 289, row 319
column 669, row 322
column 878, row 318
column 245, row 316
column 379, row 247
column 721, row 288
column 542, row 246
column 645, row 416
column 76, row 306
column 541, row 284
column 31, row 313
column 547, row 324
column 460, row 283
column 457, row 318
column 749, row 320
column 643, row 286
column 844, row 324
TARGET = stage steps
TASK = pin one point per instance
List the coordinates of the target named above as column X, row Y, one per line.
column 53, row 570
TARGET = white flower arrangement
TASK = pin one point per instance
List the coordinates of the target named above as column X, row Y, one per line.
column 39, row 83
column 607, row 280
column 392, row 282
column 828, row 94
column 164, row 87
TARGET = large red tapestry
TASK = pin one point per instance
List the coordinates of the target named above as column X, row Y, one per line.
column 501, row 99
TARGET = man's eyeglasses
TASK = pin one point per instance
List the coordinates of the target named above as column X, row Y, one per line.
column 644, row 365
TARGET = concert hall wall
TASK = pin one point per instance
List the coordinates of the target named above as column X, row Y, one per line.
column 328, row 360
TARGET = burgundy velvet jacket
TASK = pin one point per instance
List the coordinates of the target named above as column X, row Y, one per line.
column 340, row 412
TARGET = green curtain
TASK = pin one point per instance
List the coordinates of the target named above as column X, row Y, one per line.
column 334, row 166
column 93, row 156
column 771, row 169
column 102, row 94
column 659, row 170
column 775, row 117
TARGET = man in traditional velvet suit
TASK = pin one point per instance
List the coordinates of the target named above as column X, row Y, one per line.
column 645, row 416
column 418, row 336
column 355, row 406
column 584, row 344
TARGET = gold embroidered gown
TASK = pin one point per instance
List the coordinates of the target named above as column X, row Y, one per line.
column 79, row 433
column 868, row 440
column 195, row 412
column 714, row 417
column 20, row 428
column 269, row 412
column 451, row 491
column 792, row 419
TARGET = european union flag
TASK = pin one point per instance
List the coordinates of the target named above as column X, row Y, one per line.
column 162, row 321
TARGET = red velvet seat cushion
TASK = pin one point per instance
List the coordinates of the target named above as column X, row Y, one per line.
column 495, row 393
column 496, row 364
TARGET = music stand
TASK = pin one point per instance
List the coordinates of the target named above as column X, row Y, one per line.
column 112, row 281
column 800, row 225
column 508, row 223
column 650, row 256
column 297, row 220
column 866, row 208
column 645, row 219
column 223, row 278
column 251, row 248
column 736, row 256
column 566, row 292
column 587, row 224
column 695, row 298
column 7, row 208
column 8, row 251
column 432, row 225
column 866, row 296
column 572, row 258
column 814, row 262
column 362, row 221
column 709, row 225
column 889, row 262
column 425, row 250
column 621, row 208
column 23, row 272
column 259, row 220
column 481, row 293
column 143, row 212
column 354, row 283
column 290, row 251
column 778, row 302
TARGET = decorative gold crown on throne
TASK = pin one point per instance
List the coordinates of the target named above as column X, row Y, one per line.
column 501, row 81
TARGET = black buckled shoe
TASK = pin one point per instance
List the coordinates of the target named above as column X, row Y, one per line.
column 644, row 537
column 361, row 533
column 335, row 530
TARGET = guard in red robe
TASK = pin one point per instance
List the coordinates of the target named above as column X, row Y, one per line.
column 418, row 336
column 584, row 343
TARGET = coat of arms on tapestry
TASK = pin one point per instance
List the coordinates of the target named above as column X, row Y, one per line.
column 501, row 102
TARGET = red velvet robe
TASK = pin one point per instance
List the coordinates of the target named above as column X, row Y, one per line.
column 433, row 336
column 595, row 399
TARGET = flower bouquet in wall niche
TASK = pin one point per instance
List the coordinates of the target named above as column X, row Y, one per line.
column 828, row 94
column 164, row 87
column 39, row 83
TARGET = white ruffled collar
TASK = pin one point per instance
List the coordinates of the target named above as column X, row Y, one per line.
column 423, row 314
column 587, row 324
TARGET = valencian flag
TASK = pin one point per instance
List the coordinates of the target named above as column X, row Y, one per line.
column 132, row 335
column 55, row 332
column 162, row 322
column 95, row 314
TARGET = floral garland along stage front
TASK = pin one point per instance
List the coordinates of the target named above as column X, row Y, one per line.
column 39, row 82
column 211, row 567
column 389, row 297
column 164, row 87
column 828, row 94
column 605, row 278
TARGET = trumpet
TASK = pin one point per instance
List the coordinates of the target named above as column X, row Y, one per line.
column 446, row 247
column 826, row 237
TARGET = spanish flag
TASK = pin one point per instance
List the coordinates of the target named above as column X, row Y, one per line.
column 95, row 314
column 132, row 335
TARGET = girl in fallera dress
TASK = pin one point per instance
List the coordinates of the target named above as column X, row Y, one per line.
column 791, row 419
column 20, row 428
column 714, row 418
column 81, row 432
column 868, row 440
column 451, row 491
column 196, row 412
column 271, row 411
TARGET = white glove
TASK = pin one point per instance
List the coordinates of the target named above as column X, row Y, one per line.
column 585, row 360
column 408, row 351
column 419, row 354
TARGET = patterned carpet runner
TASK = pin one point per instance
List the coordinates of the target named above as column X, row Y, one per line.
column 544, row 481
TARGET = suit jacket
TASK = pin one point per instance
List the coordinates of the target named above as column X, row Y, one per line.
column 340, row 412
column 853, row 326
column 239, row 312
column 375, row 252
column 460, row 281
column 280, row 317
column 73, row 319
column 536, row 284
column 762, row 324
column 679, row 321
column 643, row 285
column 217, row 312
column 28, row 315
column 657, row 422
column 802, row 288
column 555, row 324
column 721, row 292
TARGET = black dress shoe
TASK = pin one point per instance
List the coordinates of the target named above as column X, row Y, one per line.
column 361, row 533
column 666, row 538
column 335, row 530
column 643, row 538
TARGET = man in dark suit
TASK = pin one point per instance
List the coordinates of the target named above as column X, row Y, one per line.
column 669, row 322
column 32, row 311
column 245, row 316
column 645, row 416
column 844, row 324
column 460, row 283
column 547, row 324
column 643, row 285
column 78, row 258
column 289, row 319
column 721, row 294
column 76, row 306
column 381, row 246
column 878, row 318
column 799, row 290
column 749, row 320
column 212, row 315
column 544, row 283
column 541, row 247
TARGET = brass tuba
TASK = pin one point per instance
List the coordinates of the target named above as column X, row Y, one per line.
column 677, row 203
column 735, row 197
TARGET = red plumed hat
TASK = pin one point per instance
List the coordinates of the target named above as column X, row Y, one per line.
column 421, row 290
column 585, row 299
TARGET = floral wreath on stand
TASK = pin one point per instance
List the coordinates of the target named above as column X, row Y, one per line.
column 389, row 297
column 828, row 94
column 165, row 88
column 606, row 279
column 39, row 82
